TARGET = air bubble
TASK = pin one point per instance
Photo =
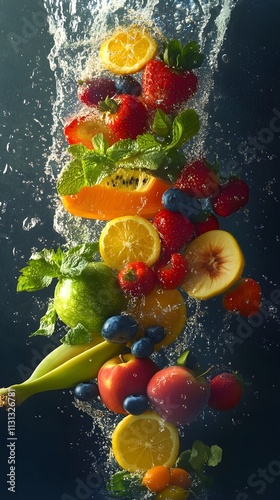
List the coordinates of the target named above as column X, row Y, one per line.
column 29, row 223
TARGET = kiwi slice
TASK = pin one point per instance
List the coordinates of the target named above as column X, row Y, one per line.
column 127, row 179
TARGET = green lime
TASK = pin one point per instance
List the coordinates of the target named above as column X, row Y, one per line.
column 90, row 298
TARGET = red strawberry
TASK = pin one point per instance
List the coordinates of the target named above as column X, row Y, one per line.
column 244, row 297
column 230, row 197
column 81, row 128
column 125, row 115
column 206, row 221
column 91, row 92
column 226, row 391
column 198, row 180
column 175, row 229
column 169, row 83
column 173, row 274
column 137, row 278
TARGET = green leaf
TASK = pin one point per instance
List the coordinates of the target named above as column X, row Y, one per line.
column 183, row 461
column 123, row 149
column 185, row 126
column 215, row 457
column 100, row 144
column 77, row 258
column 77, row 335
column 77, row 150
column 95, row 168
column 39, row 272
column 162, row 125
column 71, row 179
column 184, row 58
column 125, row 484
column 47, row 322
column 199, row 455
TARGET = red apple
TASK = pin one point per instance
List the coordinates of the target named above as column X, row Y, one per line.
column 177, row 395
column 123, row 376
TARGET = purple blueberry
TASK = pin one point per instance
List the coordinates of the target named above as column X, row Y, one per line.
column 142, row 348
column 119, row 329
column 155, row 333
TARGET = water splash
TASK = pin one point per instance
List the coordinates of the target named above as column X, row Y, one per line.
column 78, row 29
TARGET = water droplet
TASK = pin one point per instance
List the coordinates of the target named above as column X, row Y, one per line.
column 29, row 223
column 225, row 58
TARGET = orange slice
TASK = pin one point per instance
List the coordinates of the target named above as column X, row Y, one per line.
column 128, row 50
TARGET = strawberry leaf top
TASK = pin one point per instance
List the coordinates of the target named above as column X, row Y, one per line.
column 182, row 57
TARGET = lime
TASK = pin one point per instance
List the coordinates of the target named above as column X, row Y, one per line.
column 89, row 298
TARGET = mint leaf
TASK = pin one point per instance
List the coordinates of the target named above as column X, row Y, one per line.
column 95, row 168
column 100, row 144
column 184, row 58
column 47, row 322
column 77, row 258
column 123, row 149
column 77, row 335
column 199, row 455
column 39, row 272
column 215, row 457
column 77, row 150
column 185, row 126
column 125, row 484
column 162, row 125
column 71, row 179
column 183, row 461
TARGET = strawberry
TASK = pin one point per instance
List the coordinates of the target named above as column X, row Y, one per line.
column 205, row 221
column 125, row 115
column 198, row 179
column 173, row 274
column 244, row 297
column 137, row 278
column 81, row 128
column 168, row 83
column 226, row 391
column 91, row 92
column 174, row 228
column 230, row 197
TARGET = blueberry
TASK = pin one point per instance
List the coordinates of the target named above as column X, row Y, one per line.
column 119, row 329
column 142, row 348
column 136, row 404
column 128, row 85
column 155, row 333
column 175, row 200
column 86, row 391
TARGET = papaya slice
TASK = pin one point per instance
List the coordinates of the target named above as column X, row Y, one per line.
column 126, row 192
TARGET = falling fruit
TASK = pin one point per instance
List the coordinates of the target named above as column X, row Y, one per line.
column 216, row 262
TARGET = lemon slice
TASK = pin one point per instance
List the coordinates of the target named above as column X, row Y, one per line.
column 127, row 51
column 216, row 262
column 128, row 239
column 144, row 441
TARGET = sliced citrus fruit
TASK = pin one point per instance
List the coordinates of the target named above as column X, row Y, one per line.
column 144, row 441
column 166, row 308
column 216, row 262
column 128, row 50
column 127, row 239
column 125, row 192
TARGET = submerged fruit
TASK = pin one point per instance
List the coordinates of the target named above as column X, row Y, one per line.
column 165, row 308
column 125, row 192
column 215, row 263
column 145, row 441
column 89, row 298
column 127, row 51
column 129, row 239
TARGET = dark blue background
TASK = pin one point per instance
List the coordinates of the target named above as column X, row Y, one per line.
column 53, row 441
